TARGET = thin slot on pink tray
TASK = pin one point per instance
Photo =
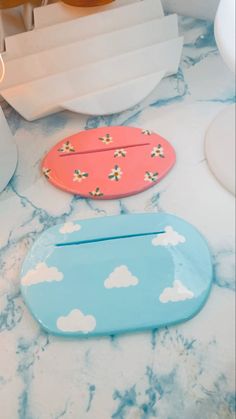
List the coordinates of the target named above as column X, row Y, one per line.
column 104, row 149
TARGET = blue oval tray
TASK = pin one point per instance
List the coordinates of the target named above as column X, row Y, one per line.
column 116, row 274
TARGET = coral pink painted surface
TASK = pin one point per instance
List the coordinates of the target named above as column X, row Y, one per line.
column 109, row 162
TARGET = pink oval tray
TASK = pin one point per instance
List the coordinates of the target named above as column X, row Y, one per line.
column 109, row 162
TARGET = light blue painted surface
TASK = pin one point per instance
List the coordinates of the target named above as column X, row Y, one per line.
column 133, row 300
column 180, row 372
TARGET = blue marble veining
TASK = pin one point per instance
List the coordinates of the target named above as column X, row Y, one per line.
column 11, row 314
column 92, row 389
column 181, row 372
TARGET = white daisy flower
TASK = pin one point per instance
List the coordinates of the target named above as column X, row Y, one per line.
column 158, row 151
column 115, row 174
column 120, row 153
column 79, row 176
column 46, row 172
column 150, row 177
column 146, row 132
column 67, row 147
column 107, row 139
column 96, row 192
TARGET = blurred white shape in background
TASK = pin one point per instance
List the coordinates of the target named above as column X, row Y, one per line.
column 220, row 137
column 202, row 9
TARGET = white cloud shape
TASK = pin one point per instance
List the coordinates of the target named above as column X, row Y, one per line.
column 170, row 237
column 69, row 228
column 177, row 293
column 41, row 273
column 76, row 321
column 121, row 277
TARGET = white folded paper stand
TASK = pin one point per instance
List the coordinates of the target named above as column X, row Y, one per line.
column 90, row 62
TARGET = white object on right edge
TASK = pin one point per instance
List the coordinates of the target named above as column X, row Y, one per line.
column 225, row 32
column 220, row 147
column 220, row 137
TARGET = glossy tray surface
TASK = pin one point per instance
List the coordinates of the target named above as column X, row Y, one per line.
column 116, row 274
column 109, row 162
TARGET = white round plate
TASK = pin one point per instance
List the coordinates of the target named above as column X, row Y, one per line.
column 220, row 147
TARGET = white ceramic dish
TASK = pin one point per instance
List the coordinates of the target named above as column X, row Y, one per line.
column 105, row 46
column 221, row 133
column 222, row 129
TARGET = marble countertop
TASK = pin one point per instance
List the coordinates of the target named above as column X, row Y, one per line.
column 180, row 372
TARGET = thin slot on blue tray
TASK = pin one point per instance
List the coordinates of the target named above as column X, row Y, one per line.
column 102, row 239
